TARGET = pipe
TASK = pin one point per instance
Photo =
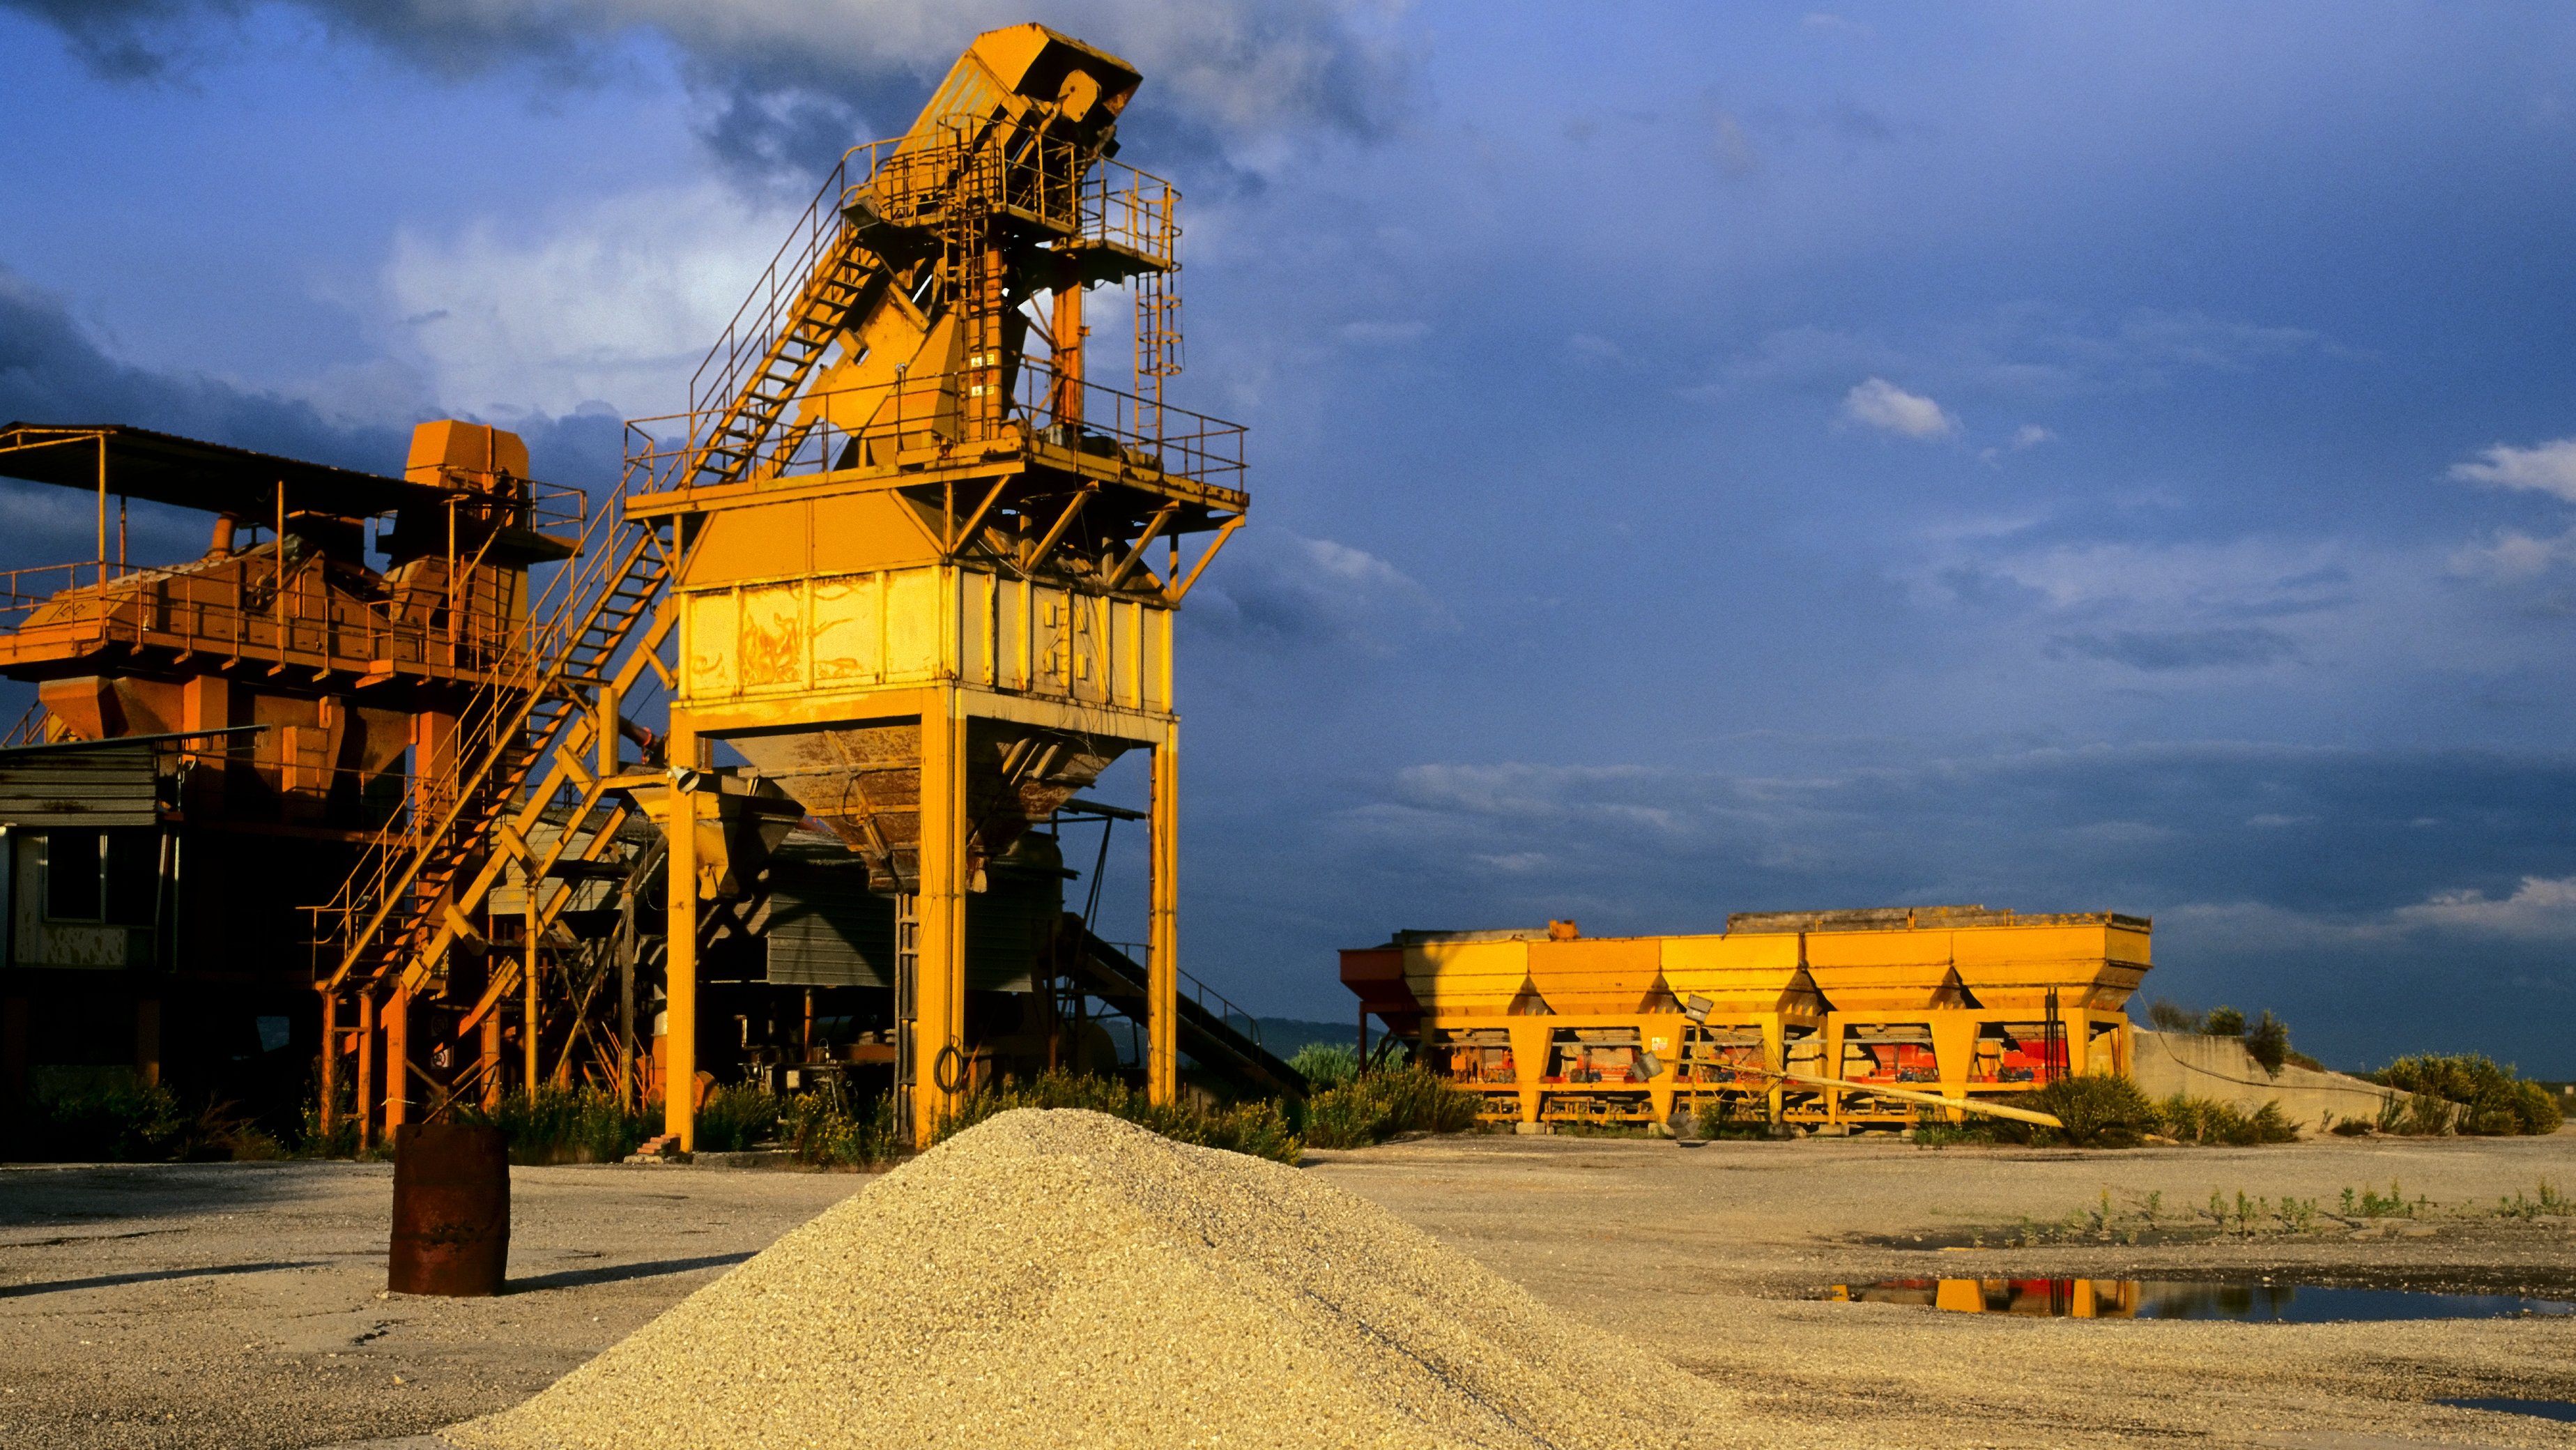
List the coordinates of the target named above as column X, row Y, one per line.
column 221, row 547
column 2045, row 1120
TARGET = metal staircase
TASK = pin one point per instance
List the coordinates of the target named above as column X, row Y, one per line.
column 519, row 745
column 1209, row 1033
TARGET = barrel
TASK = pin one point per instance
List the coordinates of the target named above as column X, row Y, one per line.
column 451, row 1210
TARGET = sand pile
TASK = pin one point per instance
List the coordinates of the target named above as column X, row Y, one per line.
column 1064, row 1278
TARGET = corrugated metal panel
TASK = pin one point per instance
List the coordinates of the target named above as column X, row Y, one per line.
column 826, row 929
column 111, row 786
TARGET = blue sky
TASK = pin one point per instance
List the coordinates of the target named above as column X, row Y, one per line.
column 1705, row 459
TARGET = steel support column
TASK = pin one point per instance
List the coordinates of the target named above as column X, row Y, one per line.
column 680, row 962
column 397, row 1019
column 939, row 1063
column 1162, row 934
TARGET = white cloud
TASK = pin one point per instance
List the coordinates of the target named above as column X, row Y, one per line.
column 615, row 301
column 2513, row 556
column 1883, row 405
column 2541, row 908
column 2031, row 435
column 2549, row 468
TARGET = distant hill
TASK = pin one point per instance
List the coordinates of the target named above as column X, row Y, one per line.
column 1284, row 1035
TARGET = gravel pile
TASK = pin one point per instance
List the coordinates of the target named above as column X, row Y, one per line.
column 1064, row 1278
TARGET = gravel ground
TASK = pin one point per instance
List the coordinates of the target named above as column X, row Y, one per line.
column 237, row 1304
column 1708, row 1255
column 1067, row 1279
column 242, row 1304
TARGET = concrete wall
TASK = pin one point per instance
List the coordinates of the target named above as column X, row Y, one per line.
column 2166, row 1063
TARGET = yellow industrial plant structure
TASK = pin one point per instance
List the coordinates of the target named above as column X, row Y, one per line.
column 925, row 576
column 1802, row 1017
column 907, row 571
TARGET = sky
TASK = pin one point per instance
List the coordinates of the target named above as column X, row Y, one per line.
column 1704, row 459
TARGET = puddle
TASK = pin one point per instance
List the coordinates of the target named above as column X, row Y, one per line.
column 2543, row 1409
column 2197, row 1299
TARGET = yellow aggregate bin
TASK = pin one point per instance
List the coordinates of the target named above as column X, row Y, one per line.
column 1469, row 977
column 1878, row 971
column 1601, row 977
column 1740, row 974
column 2091, row 964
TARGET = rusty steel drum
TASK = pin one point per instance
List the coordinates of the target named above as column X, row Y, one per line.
column 451, row 1210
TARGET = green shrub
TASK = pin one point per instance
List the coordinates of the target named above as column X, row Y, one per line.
column 2268, row 1042
column 1733, row 1115
column 2207, row 1121
column 127, row 1122
column 117, row 1123
column 2166, row 1015
column 1372, row 1109
column 2099, row 1111
column 1326, row 1064
column 735, row 1118
column 819, row 1129
column 562, row 1125
column 2492, row 1101
column 2223, row 1022
column 1260, row 1129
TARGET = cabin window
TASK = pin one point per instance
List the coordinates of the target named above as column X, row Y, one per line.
column 101, row 876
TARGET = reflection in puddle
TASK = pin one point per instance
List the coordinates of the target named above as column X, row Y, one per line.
column 2190, row 1299
column 2543, row 1409
column 2533, row 1407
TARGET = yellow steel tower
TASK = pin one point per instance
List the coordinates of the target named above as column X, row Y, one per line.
column 927, row 574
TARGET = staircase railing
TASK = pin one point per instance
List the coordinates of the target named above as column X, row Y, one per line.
column 519, row 714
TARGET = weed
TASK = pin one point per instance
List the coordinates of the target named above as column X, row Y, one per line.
column 2207, row 1121
column 820, row 1130
column 1733, row 1116
column 2550, row 1202
column 561, row 1125
column 2223, row 1022
column 2369, row 1204
column 1326, row 1064
column 1379, row 1106
column 735, row 1118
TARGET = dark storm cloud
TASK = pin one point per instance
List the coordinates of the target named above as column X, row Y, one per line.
column 2330, row 884
column 53, row 372
column 50, row 372
column 793, row 85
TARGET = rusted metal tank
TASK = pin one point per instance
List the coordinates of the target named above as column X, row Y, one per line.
column 451, row 1210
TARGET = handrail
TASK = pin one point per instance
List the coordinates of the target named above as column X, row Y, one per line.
column 1224, row 1011
column 1113, row 423
column 494, row 720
